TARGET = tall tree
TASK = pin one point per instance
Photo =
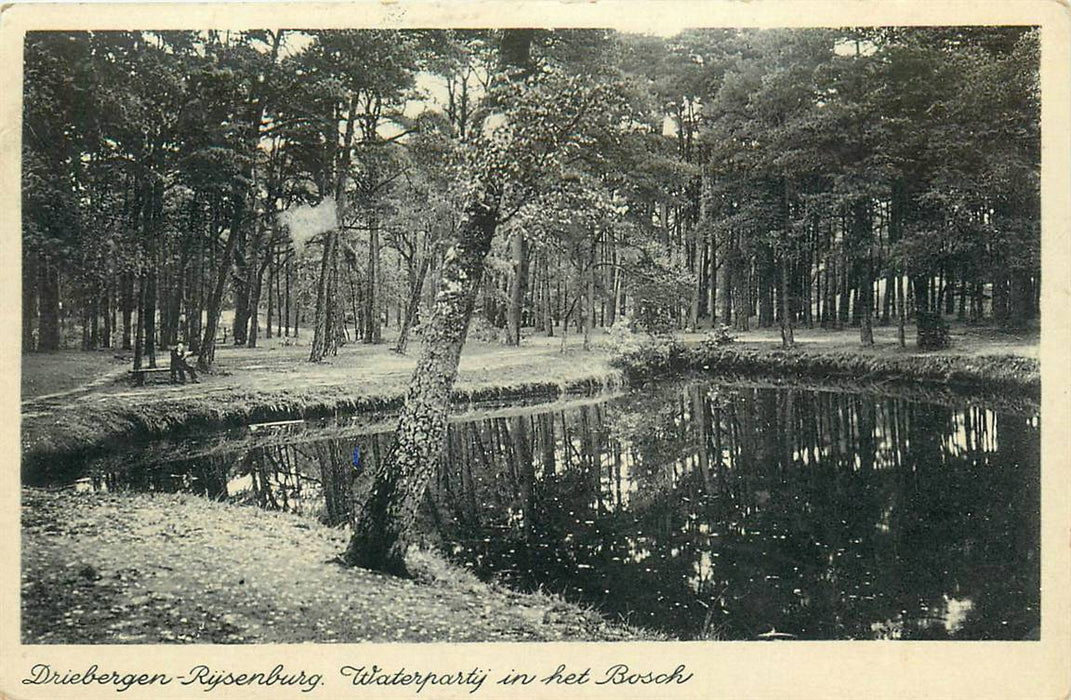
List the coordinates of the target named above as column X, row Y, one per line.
column 532, row 121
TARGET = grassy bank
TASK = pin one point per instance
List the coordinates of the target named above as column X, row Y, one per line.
column 155, row 568
column 982, row 373
column 268, row 385
column 144, row 568
column 273, row 382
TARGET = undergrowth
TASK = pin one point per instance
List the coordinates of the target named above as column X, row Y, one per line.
column 996, row 372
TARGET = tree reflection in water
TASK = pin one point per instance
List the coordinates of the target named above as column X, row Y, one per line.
column 715, row 513
column 707, row 511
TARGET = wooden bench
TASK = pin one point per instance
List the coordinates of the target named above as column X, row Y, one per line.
column 140, row 374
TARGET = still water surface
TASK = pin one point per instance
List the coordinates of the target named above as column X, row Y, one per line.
column 702, row 510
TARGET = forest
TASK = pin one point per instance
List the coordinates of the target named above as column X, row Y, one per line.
column 589, row 334
column 314, row 184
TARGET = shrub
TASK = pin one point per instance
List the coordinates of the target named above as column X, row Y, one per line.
column 932, row 331
column 643, row 355
column 716, row 338
column 483, row 330
column 623, row 337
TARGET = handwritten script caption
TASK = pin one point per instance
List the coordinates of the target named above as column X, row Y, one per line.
column 367, row 676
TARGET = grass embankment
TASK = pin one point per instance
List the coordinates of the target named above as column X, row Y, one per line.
column 56, row 373
column 979, row 360
column 113, row 568
column 979, row 373
column 275, row 383
column 153, row 568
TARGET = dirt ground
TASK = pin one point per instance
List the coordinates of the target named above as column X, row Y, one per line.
column 168, row 568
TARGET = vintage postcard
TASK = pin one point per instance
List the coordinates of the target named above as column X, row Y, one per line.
column 620, row 349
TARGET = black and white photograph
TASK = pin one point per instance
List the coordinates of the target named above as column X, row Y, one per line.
column 526, row 333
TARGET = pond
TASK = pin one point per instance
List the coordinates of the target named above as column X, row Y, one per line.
column 703, row 510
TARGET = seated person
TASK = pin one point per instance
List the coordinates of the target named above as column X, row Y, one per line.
column 180, row 366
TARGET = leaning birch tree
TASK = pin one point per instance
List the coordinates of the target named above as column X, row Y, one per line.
column 534, row 121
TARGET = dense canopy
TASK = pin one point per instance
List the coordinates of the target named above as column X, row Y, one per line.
column 313, row 182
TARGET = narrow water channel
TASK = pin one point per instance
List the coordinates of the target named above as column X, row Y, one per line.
column 702, row 510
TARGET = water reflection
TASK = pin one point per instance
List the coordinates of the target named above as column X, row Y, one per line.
column 708, row 511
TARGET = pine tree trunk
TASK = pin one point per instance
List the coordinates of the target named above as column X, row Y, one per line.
column 336, row 317
column 29, row 300
column 254, row 296
column 866, row 322
column 901, row 311
column 240, row 325
column 272, row 284
column 830, row 312
column 548, row 305
column 864, row 274
column 373, row 334
column 844, row 296
column 788, row 338
column 518, row 288
column 587, row 315
column 740, row 297
column 321, row 325
column 126, row 301
column 195, row 308
column 49, row 323
column 139, row 342
column 765, row 280
column 887, row 300
column 149, row 315
column 153, row 224
column 808, row 288
column 215, row 299
column 109, row 311
column 413, row 304
column 286, row 314
column 714, row 282
column 699, row 291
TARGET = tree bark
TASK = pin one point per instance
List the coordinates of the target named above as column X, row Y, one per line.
column 215, row 299
column 126, row 301
column 788, row 338
column 740, row 297
column 272, row 285
column 321, row 324
column 901, row 311
column 518, row 288
column 29, row 300
column 863, row 225
column 240, row 324
column 381, row 530
column 156, row 205
column 257, row 290
column 373, row 334
column 48, row 326
column 548, row 304
column 413, row 304
column 139, row 342
column 286, row 310
column 765, row 272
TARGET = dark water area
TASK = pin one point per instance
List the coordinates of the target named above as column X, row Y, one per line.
column 701, row 510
